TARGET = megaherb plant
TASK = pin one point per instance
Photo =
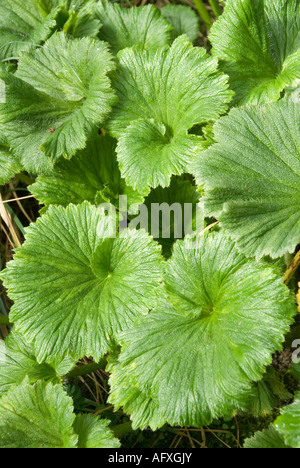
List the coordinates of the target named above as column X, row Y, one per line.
column 112, row 111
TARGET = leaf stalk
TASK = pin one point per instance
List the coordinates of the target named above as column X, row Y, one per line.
column 291, row 270
column 203, row 12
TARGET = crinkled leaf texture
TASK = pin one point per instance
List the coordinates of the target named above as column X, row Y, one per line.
column 75, row 286
column 58, row 97
column 37, row 416
column 162, row 94
column 24, row 25
column 183, row 19
column 252, row 177
column 128, row 27
column 82, row 21
column 266, row 439
column 18, row 360
column 41, row 416
column 9, row 164
column 201, row 356
column 288, row 424
column 141, row 405
column 258, row 44
column 91, row 175
column 94, row 433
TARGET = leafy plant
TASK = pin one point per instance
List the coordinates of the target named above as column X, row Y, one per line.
column 161, row 261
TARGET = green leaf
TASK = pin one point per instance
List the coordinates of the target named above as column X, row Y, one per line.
column 37, row 416
column 162, row 95
column 17, row 361
column 142, row 406
column 269, row 393
column 58, row 98
column 252, row 178
column 258, row 43
column 9, row 164
column 128, row 27
column 182, row 197
column 267, row 439
column 288, row 424
column 94, row 433
column 75, row 287
column 82, row 21
column 183, row 19
column 200, row 357
column 24, row 25
column 92, row 175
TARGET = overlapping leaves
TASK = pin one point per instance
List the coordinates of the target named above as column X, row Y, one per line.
column 252, row 177
column 24, row 25
column 162, row 94
column 91, row 175
column 41, row 416
column 18, row 361
column 258, row 43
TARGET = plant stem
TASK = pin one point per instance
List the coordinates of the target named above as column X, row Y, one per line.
column 87, row 369
column 5, row 321
column 203, row 12
column 215, row 7
column 122, row 430
column 291, row 270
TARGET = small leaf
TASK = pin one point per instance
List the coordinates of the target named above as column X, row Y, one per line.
column 183, row 19
column 82, row 21
column 94, row 433
column 267, row 439
column 9, row 164
column 252, row 177
column 200, row 357
column 58, row 97
column 99, row 284
column 128, row 27
column 288, row 424
column 258, row 44
column 91, row 175
column 162, row 94
column 18, row 361
column 37, row 416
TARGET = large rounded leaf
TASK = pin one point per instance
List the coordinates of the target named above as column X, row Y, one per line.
column 75, row 286
column 200, row 357
column 58, row 97
column 258, row 43
column 162, row 94
column 252, row 177
column 37, row 416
